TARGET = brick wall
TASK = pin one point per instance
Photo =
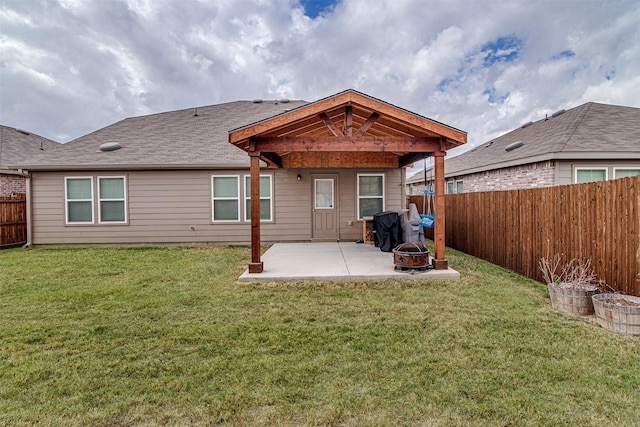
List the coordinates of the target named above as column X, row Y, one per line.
column 533, row 175
column 12, row 184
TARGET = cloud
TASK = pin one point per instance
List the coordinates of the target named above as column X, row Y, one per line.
column 70, row 67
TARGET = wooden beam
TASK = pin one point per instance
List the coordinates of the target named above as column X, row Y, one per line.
column 343, row 143
column 332, row 126
column 256, row 265
column 307, row 160
column 272, row 158
column 439, row 261
column 407, row 159
column 370, row 121
column 348, row 120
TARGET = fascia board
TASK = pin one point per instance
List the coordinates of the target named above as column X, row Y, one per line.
column 128, row 167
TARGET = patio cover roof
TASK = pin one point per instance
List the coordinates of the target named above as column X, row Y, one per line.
column 342, row 125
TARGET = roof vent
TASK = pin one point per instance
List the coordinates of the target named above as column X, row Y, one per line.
column 110, row 146
column 488, row 144
column 24, row 132
column 526, row 125
column 283, row 101
column 513, row 146
column 257, row 101
column 557, row 113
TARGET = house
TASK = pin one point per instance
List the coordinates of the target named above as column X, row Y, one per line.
column 316, row 170
column 17, row 145
column 591, row 142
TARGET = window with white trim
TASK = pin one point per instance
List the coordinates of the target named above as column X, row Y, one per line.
column 78, row 194
column 225, row 196
column 583, row 175
column 625, row 172
column 266, row 199
column 459, row 187
column 370, row 194
column 450, row 187
column 112, row 204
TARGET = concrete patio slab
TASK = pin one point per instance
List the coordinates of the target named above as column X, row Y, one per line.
column 335, row 262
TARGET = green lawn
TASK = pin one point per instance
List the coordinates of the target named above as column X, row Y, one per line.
column 165, row 336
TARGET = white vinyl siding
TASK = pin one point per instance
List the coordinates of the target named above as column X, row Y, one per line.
column 79, row 200
column 112, row 200
column 225, row 192
column 370, row 194
column 266, row 199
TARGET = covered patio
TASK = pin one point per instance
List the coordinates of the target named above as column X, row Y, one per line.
column 349, row 130
column 334, row 262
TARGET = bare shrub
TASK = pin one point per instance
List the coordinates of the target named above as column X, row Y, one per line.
column 576, row 272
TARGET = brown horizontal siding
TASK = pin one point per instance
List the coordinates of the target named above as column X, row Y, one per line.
column 162, row 206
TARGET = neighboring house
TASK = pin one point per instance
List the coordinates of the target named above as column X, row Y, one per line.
column 592, row 142
column 185, row 176
column 16, row 146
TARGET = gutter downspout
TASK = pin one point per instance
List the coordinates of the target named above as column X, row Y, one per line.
column 27, row 175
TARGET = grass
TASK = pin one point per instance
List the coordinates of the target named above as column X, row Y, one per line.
column 165, row 336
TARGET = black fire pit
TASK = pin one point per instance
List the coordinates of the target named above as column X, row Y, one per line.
column 411, row 257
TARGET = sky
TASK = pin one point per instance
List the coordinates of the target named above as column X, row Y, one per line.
column 70, row 67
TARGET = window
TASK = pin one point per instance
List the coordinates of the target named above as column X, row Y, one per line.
column 323, row 193
column 225, row 198
column 459, row 187
column 590, row 175
column 111, row 200
column 266, row 211
column 625, row 172
column 370, row 195
column 450, row 187
column 79, row 200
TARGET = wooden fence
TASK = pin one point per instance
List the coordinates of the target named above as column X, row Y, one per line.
column 13, row 221
column 514, row 229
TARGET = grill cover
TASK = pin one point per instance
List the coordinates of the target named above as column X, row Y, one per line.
column 387, row 230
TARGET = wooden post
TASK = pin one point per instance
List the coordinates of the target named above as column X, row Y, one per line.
column 256, row 265
column 439, row 261
column 348, row 120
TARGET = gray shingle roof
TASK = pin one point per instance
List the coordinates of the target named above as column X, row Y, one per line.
column 589, row 131
column 18, row 145
column 175, row 139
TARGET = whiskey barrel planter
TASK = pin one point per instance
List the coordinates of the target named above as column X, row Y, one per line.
column 572, row 299
column 618, row 313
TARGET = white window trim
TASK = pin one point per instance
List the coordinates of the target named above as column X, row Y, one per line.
column 333, row 191
column 124, row 199
column 248, row 197
column 456, row 186
column 66, row 201
column 453, row 186
column 237, row 199
column 358, row 197
column 583, row 168
column 616, row 168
